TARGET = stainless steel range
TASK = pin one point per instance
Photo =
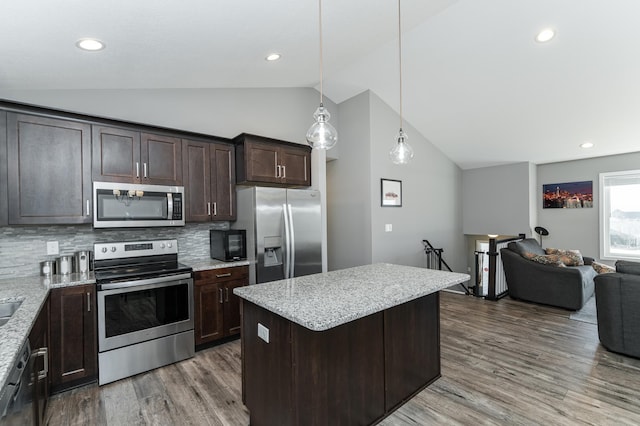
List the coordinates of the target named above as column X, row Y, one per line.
column 145, row 307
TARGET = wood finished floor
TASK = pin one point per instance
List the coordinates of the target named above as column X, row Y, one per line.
column 504, row 362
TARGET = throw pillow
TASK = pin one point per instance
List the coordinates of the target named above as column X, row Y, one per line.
column 547, row 259
column 568, row 257
column 601, row 268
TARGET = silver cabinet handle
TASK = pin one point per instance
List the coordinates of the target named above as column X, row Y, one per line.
column 284, row 172
column 215, row 208
column 137, row 169
column 88, row 302
column 228, row 274
column 43, row 352
column 221, row 301
column 278, row 171
column 144, row 167
column 226, row 293
column 209, row 209
column 88, row 208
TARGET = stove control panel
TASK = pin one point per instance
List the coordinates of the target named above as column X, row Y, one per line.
column 126, row 249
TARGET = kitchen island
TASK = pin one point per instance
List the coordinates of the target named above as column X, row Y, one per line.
column 345, row 347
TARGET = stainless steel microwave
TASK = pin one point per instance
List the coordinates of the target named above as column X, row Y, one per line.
column 125, row 205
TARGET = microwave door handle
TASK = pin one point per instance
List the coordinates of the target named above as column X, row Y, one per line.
column 169, row 206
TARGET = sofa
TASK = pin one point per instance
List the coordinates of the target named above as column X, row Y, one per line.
column 618, row 308
column 566, row 287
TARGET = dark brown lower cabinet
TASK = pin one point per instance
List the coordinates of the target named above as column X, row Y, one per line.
column 217, row 309
column 74, row 346
column 354, row 374
column 39, row 340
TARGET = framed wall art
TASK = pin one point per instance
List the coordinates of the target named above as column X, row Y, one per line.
column 568, row 195
column 390, row 193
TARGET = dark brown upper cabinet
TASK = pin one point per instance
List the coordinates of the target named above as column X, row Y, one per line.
column 261, row 160
column 49, row 170
column 209, row 180
column 128, row 156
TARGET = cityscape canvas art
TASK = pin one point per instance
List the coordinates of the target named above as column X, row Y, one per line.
column 568, row 195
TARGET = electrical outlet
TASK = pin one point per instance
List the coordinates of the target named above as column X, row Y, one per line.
column 52, row 248
column 263, row 332
column 388, row 227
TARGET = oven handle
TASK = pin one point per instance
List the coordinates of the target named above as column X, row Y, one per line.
column 137, row 283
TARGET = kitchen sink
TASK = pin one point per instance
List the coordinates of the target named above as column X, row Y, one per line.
column 7, row 309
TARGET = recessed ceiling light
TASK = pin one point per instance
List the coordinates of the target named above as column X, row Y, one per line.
column 273, row 57
column 545, row 35
column 586, row 145
column 90, row 44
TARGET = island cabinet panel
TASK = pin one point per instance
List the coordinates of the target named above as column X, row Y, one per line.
column 49, row 170
column 266, row 161
column 129, row 156
column 74, row 343
column 412, row 348
column 353, row 374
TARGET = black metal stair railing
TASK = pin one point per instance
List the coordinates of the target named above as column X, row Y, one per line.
column 435, row 260
column 497, row 285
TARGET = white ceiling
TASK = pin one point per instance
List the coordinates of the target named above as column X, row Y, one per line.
column 476, row 84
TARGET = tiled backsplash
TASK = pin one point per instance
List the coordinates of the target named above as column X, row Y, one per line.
column 23, row 248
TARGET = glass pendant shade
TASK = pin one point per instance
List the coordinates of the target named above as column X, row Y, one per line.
column 402, row 152
column 321, row 134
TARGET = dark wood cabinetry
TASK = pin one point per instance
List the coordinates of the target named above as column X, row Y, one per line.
column 39, row 340
column 74, row 345
column 217, row 309
column 49, row 170
column 129, row 156
column 209, row 180
column 261, row 160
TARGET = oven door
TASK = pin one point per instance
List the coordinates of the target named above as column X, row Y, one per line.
column 140, row 310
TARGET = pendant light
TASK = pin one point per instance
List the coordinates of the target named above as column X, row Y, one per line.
column 402, row 152
column 321, row 134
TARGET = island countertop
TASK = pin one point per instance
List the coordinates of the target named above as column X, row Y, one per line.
column 323, row 301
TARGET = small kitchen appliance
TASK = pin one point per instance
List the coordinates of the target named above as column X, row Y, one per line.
column 228, row 245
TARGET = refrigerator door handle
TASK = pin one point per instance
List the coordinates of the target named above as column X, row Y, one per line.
column 287, row 242
column 292, row 255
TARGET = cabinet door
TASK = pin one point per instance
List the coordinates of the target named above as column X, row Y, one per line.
column 4, row 210
column 39, row 340
column 208, row 311
column 74, row 351
column 261, row 161
column 232, row 321
column 197, row 180
column 295, row 163
column 49, row 170
column 223, row 182
column 161, row 159
column 116, row 155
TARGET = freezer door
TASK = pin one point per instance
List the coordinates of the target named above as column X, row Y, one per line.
column 306, row 231
column 270, row 234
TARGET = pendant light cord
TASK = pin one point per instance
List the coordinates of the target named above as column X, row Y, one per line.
column 320, row 32
column 400, row 60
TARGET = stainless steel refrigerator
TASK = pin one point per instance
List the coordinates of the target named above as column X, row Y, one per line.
column 284, row 232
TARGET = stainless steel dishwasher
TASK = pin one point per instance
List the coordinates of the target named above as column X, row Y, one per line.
column 16, row 397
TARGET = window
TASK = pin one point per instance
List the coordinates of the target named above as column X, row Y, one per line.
column 620, row 215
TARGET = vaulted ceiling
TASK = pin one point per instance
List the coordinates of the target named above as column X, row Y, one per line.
column 475, row 82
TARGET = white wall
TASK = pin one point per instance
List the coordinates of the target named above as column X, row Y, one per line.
column 578, row 228
column 497, row 200
column 431, row 193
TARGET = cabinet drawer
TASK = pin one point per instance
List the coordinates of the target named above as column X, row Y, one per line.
column 222, row 274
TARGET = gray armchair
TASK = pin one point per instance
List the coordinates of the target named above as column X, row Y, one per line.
column 618, row 308
column 568, row 287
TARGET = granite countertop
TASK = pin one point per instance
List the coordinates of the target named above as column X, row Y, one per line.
column 323, row 301
column 32, row 291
